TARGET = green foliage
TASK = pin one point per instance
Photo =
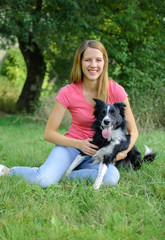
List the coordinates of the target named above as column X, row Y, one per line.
column 133, row 209
column 132, row 32
column 8, row 95
column 14, row 68
column 39, row 25
column 133, row 35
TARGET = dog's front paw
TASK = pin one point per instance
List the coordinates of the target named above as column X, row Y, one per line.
column 98, row 157
column 96, row 186
column 67, row 173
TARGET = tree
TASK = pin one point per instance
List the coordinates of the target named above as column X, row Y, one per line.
column 37, row 25
column 48, row 33
column 133, row 33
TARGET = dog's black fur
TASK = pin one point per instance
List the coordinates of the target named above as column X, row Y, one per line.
column 111, row 138
column 116, row 119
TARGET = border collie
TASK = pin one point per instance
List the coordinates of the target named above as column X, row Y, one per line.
column 111, row 138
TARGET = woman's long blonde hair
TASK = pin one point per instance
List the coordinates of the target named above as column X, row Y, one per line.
column 77, row 74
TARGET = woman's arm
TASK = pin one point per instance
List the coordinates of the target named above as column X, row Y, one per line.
column 131, row 128
column 51, row 134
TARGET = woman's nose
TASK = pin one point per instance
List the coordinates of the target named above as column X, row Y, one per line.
column 93, row 63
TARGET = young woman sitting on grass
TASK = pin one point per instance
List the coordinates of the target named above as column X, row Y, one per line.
column 89, row 77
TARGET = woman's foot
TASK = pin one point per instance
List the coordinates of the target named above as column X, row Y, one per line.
column 4, row 170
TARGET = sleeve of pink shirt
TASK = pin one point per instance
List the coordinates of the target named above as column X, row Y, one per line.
column 117, row 92
column 63, row 96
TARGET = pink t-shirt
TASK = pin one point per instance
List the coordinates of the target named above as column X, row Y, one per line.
column 72, row 98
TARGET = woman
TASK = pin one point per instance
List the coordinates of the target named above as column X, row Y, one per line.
column 89, row 77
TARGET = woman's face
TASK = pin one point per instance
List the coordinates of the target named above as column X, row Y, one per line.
column 92, row 64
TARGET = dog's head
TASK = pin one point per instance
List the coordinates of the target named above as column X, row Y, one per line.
column 109, row 116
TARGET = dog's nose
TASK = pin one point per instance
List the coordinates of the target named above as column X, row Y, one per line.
column 106, row 122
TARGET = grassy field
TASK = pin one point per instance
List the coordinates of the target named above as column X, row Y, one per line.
column 134, row 209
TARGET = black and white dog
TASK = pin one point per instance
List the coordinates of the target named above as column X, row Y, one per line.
column 111, row 138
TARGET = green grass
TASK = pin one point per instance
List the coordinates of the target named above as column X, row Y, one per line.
column 134, row 209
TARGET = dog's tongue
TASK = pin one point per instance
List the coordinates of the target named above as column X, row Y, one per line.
column 106, row 133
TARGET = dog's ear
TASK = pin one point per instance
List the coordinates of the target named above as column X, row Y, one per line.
column 99, row 102
column 121, row 106
column 98, row 106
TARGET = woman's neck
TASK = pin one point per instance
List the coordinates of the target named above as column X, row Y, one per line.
column 89, row 91
column 90, row 86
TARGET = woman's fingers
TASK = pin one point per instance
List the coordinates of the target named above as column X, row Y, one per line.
column 89, row 148
column 120, row 156
column 92, row 145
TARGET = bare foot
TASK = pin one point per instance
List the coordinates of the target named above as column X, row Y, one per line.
column 6, row 171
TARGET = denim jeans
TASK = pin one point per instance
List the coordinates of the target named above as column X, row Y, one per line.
column 56, row 165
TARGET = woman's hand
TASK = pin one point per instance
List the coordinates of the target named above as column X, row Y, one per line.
column 87, row 147
column 120, row 156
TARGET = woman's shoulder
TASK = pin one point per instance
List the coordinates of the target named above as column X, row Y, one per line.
column 69, row 94
column 116, row 92
column 70, row 87
column 113, row 84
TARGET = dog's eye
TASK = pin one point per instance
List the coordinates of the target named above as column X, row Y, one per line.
column 103, row 111
column 113, row 112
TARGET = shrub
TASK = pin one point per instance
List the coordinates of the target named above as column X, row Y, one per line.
column 14, row 68
column 8, row 95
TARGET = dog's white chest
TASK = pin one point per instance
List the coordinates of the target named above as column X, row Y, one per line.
column 117, row 135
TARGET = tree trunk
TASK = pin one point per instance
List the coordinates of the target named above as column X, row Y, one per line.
column 36, row 68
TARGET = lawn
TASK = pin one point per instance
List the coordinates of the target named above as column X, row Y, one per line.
column 134, row 209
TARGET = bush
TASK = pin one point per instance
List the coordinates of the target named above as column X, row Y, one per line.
column 14, row 68
column 13, row 75
column 8, row 95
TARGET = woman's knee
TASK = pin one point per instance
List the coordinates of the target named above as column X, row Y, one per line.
column 45, row 179
column 55, row 166
column 46, row 182
column 112, row 176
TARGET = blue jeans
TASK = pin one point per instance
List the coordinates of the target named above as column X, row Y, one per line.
column 56, row 165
